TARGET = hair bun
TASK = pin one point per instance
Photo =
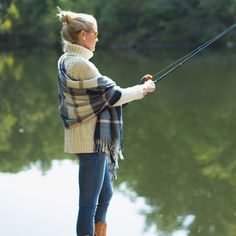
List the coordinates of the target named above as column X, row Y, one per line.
column 64, row 16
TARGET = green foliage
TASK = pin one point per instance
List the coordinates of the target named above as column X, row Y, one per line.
column 124, row 23
column 158, row 22
column 9, row 13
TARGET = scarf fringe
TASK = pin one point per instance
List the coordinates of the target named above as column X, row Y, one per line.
column 113, row 151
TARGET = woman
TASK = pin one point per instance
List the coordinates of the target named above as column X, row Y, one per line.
column 90, row 105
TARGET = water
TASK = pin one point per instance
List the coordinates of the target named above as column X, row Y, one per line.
column 37, row 204
column 179, row 173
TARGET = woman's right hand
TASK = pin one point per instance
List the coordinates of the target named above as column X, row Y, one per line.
column 148, row 87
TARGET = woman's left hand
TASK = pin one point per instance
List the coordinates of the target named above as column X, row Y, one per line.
column 148, row 87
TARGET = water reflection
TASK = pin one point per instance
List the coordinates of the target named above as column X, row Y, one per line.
column 37, row 204
column 179, row 142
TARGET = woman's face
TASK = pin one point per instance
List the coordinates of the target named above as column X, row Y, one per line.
column 88, row 39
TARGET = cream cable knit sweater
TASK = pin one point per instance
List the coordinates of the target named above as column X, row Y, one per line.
column 79, row 139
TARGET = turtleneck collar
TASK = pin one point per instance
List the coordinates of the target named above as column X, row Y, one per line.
column 77, row 49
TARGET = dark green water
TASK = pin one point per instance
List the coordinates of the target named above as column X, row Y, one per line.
column 180, row 152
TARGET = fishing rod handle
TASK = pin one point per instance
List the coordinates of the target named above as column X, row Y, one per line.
column 146, row 78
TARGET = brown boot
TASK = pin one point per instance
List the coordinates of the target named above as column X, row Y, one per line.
column 100, row 229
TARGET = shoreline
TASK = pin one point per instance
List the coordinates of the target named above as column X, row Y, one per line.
column 118, row 46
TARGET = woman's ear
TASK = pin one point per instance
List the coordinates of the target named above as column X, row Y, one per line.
column 81, row 35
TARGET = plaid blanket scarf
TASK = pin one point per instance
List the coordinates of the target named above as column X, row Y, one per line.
column 81, row 100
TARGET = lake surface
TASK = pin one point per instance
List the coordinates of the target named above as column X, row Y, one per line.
column 179, row 173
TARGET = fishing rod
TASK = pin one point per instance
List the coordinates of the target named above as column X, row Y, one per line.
column 173, row 66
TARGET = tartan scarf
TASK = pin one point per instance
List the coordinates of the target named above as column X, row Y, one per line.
column 82, row 100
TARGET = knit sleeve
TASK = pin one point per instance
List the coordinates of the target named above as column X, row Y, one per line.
column 130, row 94
column 82, row 69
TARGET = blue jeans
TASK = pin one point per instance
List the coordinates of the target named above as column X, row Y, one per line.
column 95, row 192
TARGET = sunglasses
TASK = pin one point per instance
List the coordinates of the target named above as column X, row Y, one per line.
column 95, row 33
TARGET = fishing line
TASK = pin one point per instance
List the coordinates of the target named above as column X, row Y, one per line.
column 173, row 66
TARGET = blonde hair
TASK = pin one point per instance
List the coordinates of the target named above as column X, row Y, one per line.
column 73, row 23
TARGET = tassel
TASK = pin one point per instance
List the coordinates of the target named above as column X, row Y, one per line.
column 103, row 145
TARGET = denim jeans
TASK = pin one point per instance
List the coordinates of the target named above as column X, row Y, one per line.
column 95, row 192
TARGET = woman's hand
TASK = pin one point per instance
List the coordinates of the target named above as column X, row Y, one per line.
column 148, row 87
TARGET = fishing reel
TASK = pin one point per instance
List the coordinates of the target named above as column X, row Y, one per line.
column 146, row 78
